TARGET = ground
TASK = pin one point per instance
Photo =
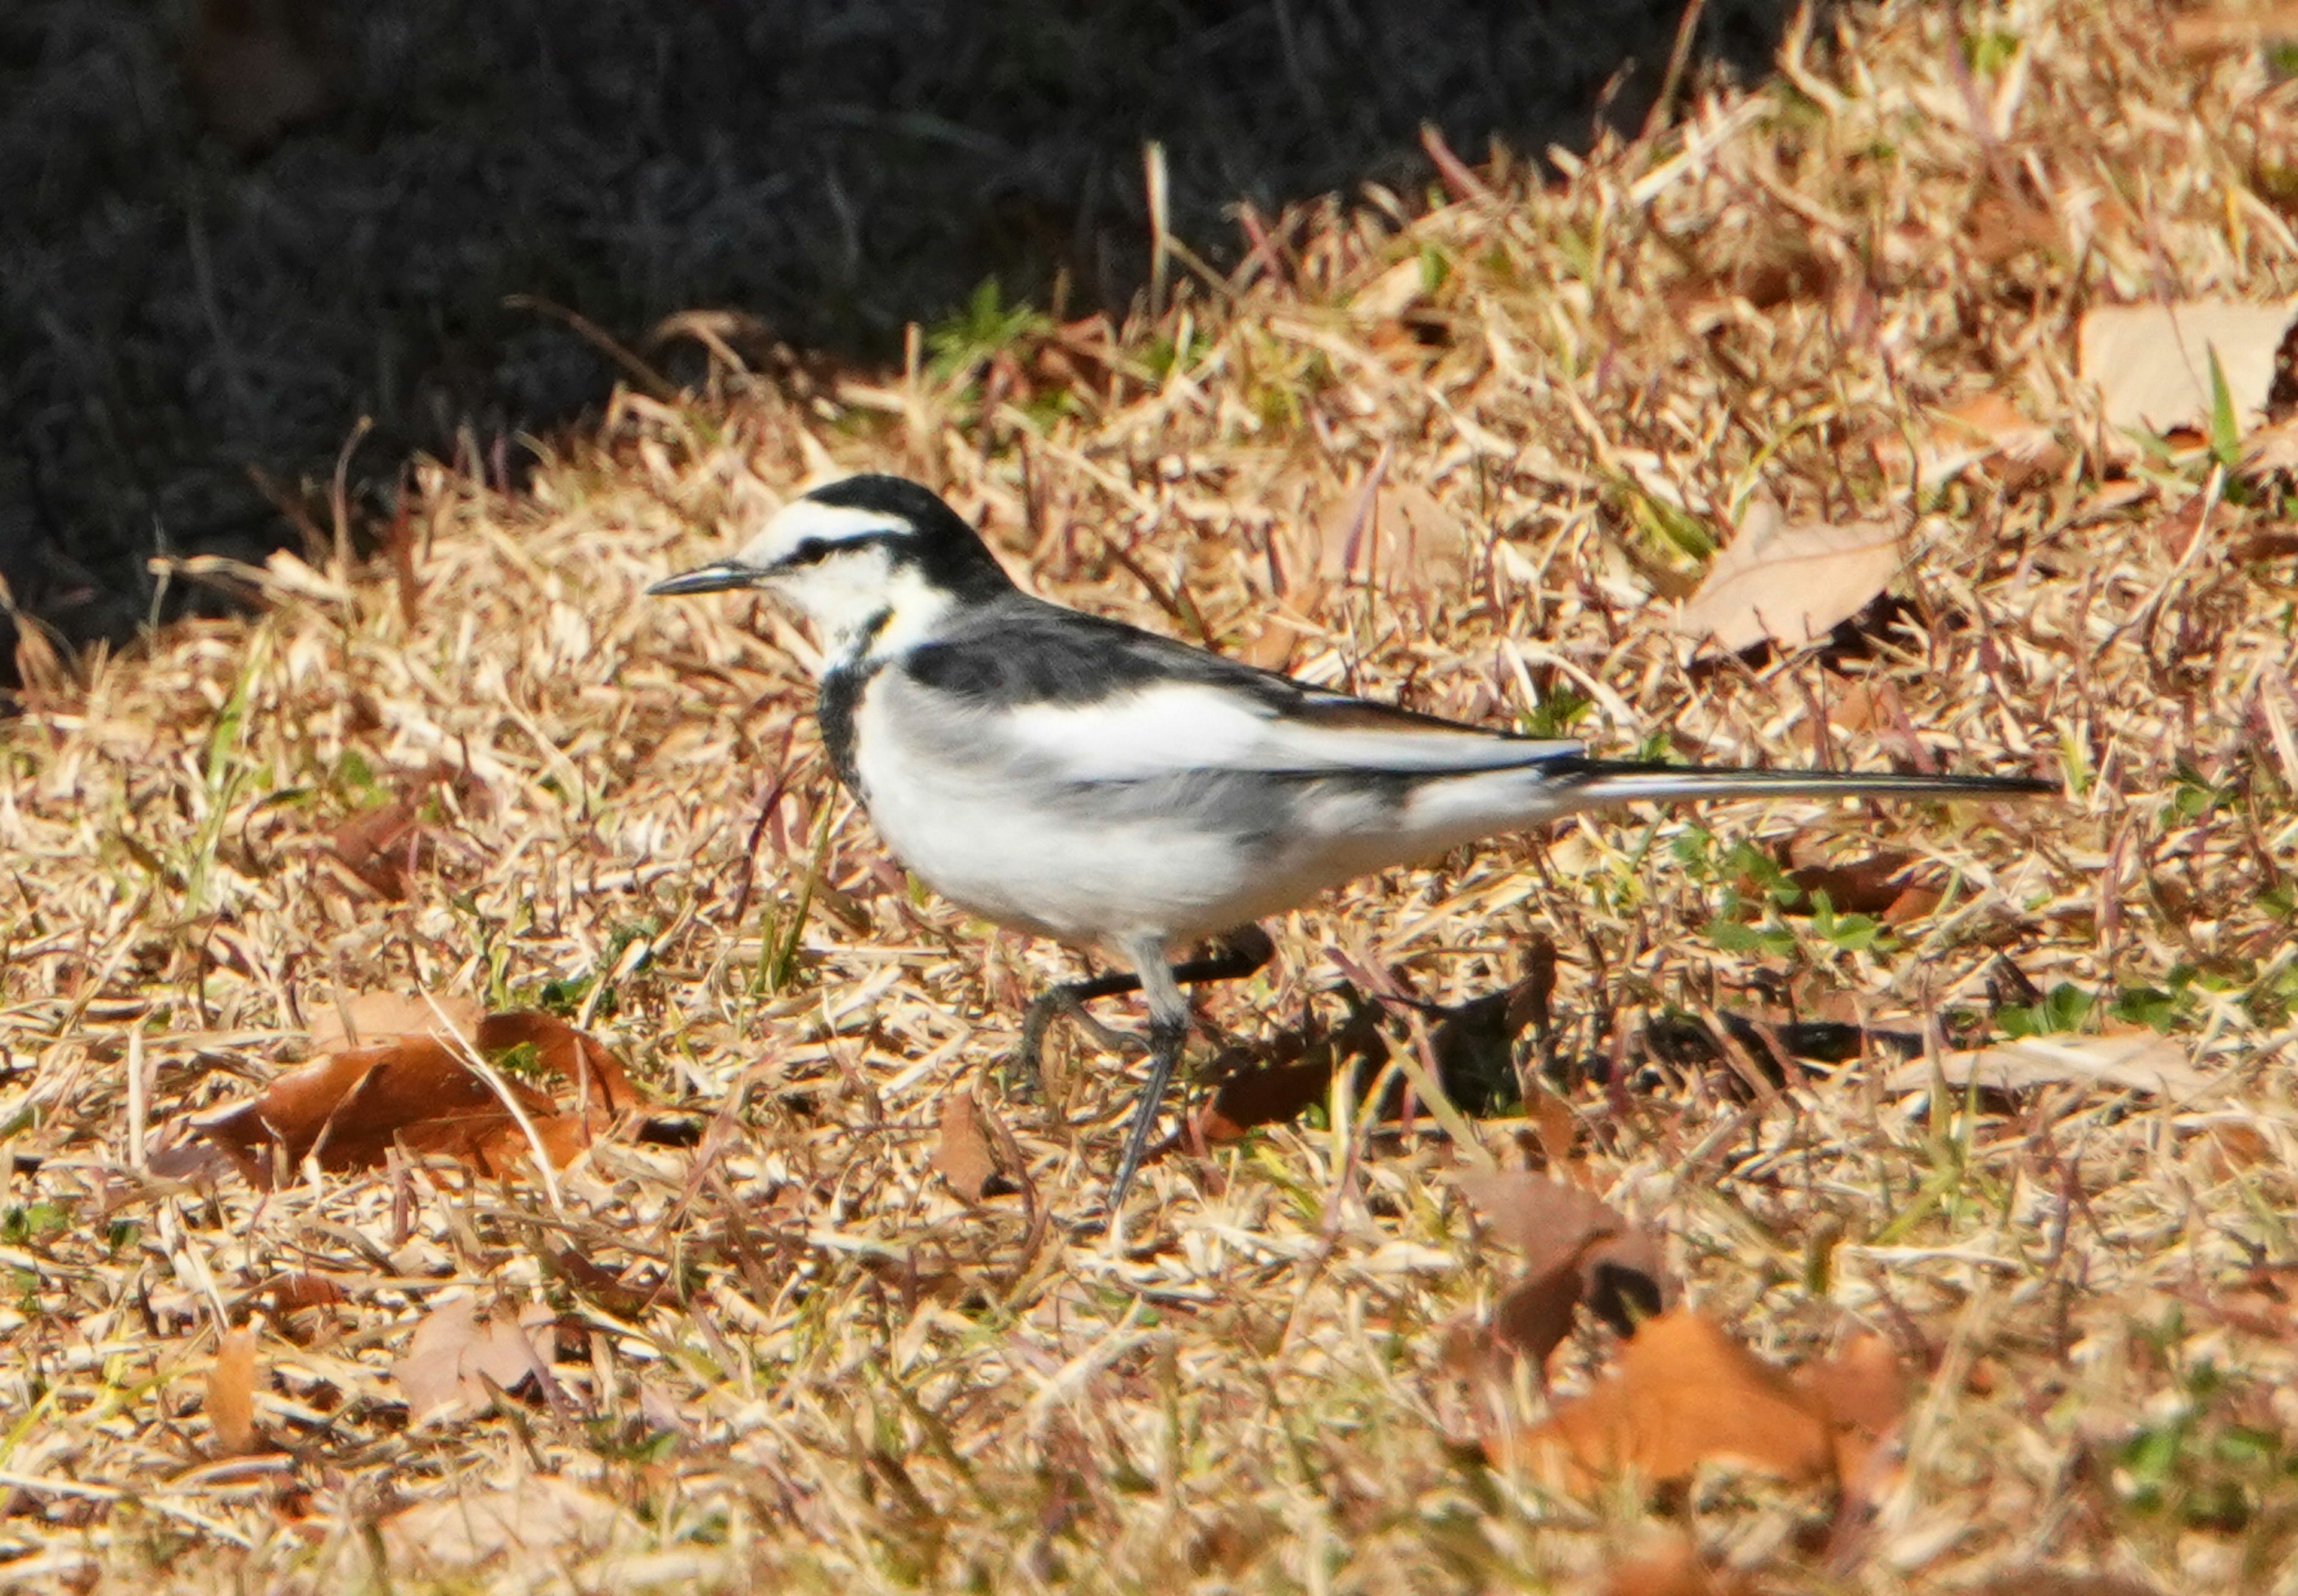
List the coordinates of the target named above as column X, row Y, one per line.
column 778, row 1328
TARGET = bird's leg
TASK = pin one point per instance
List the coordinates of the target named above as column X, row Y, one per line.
column 1237, row 953
column 1168, row 1027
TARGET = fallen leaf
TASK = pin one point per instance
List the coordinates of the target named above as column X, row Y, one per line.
column 1973, row 432
column 454, row 1354
column 963, row 1155
column 1868, row 885
column 1392, row 293
column 2152, row 363
column 304, row 1307
column 1534, row 1316
column 1546, row 1221
column 1295, row 1071
column 1578, row 1248
column 2131, row 1062
column 382, row 846
column 1270, row 1094
column 1677, row 1568
column 1792, row 585
column 2272, row 451
column 363, row 1018
column 1396, row 536
column 1863, row 1391
column 541, row 1522
column 1684, row 1393
column 230, row 1404
column 601, row 1088
column 350, row 1107
column 291, row 1294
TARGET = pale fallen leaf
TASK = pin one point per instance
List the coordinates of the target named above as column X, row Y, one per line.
column 454, row 1354
column 2272, row 451
column 1685, row 1393
column 2152, row 363
column 1392, row 293
column 365, row 1019
column 1395, row 535
column 2131, row 1062
column 541, row 1522
column 230, row 1404
column 1792, row 585
column 1984, row 428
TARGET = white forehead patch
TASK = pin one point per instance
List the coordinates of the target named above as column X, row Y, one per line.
column 802, row 520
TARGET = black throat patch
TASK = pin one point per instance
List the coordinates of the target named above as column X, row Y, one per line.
column 840, row 697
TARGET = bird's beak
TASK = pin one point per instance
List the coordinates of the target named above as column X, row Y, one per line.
column 718, row 578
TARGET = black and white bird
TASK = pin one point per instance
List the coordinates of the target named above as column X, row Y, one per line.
column 1074, row 777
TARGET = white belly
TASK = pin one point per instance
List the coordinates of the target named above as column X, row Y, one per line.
column 991, row 824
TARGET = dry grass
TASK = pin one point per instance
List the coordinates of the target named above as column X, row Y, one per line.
column 819, row 1369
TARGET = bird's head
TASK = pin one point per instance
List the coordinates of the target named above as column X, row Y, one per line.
column 872, row 562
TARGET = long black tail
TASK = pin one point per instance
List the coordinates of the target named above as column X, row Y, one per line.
column 1594, row 781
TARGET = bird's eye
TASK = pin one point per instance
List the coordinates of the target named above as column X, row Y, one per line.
column 810, row 552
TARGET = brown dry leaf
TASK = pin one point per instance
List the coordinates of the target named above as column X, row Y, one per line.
column 1676, row 1569
column 2152, row 363
column 1270, row 1094
column 454, row 1353
column 2128, row 1060
column 1984, row 428
column 1578, row 1248
column 230, row 1404
column 601, row 1088
column 1863, row 1391
column 381, row 847
column 353, row 1106
column 1869, row 885
column 1685, row 1394
column 963, row 1155
column 1792, row 585
column 365, row 1019
column 1534, row 1316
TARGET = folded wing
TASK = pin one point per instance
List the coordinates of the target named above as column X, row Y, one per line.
column 1170, row 728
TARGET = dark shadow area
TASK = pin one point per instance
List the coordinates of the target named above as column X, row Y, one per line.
column 175, row 309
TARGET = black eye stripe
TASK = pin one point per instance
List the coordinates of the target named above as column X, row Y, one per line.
column 812, row 552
